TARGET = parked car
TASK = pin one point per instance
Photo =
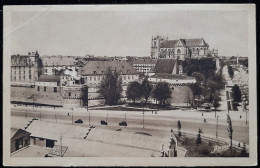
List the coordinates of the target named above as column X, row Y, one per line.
column 79, row 121
column 123, row 123
column 102, row 122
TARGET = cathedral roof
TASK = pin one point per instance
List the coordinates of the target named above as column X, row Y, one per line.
column 169, row 43
column 196, row 42
column 101, row 66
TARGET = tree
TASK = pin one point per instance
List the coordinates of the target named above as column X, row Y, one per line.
column 111, row 87
column 84, row 96
column 196, row 90
column 243, row 151
column 236, row 93
column 134, row 91
column 147, row 89
column 230, row 130
column 199, row 77
column 179, row 127
column 230, row 72
column 198, row 141
column 162, row 92
column 216, row 104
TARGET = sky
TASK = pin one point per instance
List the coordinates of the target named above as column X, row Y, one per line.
column 124, row 33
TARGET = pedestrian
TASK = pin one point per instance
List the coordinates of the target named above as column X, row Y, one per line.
column 68, row 114
column 201, row 114
column 240, row 116
column 171, row 130
column 205, row 120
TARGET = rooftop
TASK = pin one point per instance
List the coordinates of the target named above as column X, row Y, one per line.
column 165, row 66
column 100, row 67
column 49, row 130
column 145, row 61
column 58, row 60
column 172, row 76
column 186, row 42
column 49, row 78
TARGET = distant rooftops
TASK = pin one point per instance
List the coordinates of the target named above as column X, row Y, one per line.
column 49, row 78
column 145, row 61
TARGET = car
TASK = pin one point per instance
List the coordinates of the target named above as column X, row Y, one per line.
column 102, row 122
column 123, row 123
column 79, row 121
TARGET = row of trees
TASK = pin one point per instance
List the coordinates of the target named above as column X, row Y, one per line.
column 136, row 91
column 208, row 89
column 111, row 89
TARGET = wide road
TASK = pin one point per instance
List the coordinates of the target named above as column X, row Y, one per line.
column 158, row 124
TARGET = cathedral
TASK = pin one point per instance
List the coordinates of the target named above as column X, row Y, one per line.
column 162, row 48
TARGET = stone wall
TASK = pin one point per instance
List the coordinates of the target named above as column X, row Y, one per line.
column 180, row 94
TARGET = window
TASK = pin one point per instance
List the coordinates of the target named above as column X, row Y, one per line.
column 23, row 77
column 46, row 70
column 91, row 78
column 14, row 78
column 19, row 77
column 94, row 78
column 38, row 88
column 29, row 71
column 94, row 72
column 69, row 93
column 44, row 88
column 55, row 89
column 30, row 76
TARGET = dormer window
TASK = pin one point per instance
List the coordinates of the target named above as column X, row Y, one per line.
column 94, row 72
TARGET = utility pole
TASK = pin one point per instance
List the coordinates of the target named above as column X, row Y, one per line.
column 60, row 146
column 217, row 128
column 72, row 119
column 89, row 117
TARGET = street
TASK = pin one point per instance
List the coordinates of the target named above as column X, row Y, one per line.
column 155, row 124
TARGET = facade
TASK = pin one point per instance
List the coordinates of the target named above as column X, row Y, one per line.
column 144, row 65
column 94, row 71
column 19, row 139
column 25, row 68
column 53, row 64
column 162, row 48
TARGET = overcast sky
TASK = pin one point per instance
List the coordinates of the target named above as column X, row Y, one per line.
column 123, row 33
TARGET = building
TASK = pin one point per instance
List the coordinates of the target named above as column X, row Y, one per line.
column 53, row 64
column 144, row 65
column 19, row 139
column 162, row 48
column 168, row 70
column 25, row 69
column 168, row 66
column 94, row 71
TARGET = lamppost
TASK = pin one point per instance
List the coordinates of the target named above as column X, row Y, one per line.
column 143, row 113
column 217, row 128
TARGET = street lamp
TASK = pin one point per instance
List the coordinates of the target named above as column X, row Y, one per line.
column 217, row 128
